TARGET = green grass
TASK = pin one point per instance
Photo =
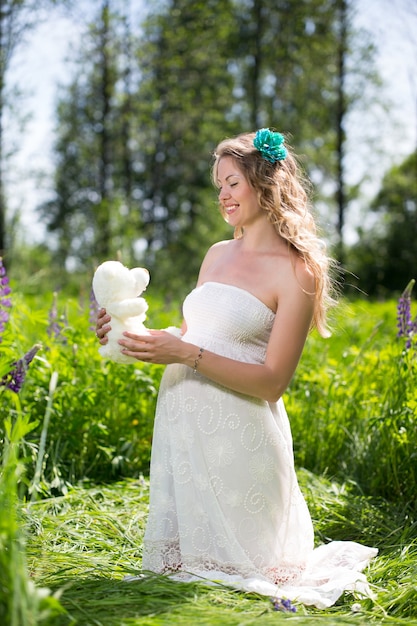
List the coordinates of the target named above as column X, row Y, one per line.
column 352, row 407
column 83, row 544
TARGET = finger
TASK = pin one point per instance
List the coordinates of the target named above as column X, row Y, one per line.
column 139, row 349
column 133, row 346
column 141, row 338
column 155, row 332
column 140, row 356
column 103, row 320
column 101, row 331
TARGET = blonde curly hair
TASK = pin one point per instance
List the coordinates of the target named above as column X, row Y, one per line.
column 283, row 193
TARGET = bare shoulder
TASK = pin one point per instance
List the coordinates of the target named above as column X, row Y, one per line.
column 212, row 254
column 219, row 247
column 304, row 276
column 297, row 277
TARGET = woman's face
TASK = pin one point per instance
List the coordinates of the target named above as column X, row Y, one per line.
column 237, row 198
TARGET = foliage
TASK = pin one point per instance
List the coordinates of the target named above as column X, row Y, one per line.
column 102, row 416
column 386, row 256
column 85, row 209
column 132, row 147
column 353, row 409
column 352, row 402
column 146, row 107
column 17, row 19
column 185, row 97
column 352, row 406
column 21, row 603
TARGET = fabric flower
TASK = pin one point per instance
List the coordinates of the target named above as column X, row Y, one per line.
column 261, row 466
column 220, row 452
column 270, row 145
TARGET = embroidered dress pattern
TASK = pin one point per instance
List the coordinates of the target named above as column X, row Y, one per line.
column 225, row 502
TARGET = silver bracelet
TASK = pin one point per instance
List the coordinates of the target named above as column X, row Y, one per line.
column 198, row 359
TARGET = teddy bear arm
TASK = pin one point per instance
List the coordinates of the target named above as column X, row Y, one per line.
column 128, row 308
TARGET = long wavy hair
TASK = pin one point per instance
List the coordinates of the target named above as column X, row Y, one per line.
column 283, row 193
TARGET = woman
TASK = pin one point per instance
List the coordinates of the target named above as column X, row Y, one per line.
column 224, row 501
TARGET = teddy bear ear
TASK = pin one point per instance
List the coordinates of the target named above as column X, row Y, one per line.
column 141, row 276
column 110, row 269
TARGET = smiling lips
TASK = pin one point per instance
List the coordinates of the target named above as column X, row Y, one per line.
column 231, row 209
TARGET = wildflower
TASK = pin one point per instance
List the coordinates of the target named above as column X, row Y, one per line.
column 56, row 323
column 14, row 379
column 54, row 328
column 356, row 607
column 406, row 327
column 5, row 301
column 94, row 308
column 283, row 604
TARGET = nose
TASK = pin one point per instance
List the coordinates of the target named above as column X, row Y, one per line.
column 223, row 194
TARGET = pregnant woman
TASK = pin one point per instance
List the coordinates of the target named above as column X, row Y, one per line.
column 225, row 503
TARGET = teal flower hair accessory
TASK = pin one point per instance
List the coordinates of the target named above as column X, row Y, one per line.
column 270, row 145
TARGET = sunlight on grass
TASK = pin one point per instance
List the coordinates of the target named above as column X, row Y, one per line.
column 352, row 406
column 86, row 542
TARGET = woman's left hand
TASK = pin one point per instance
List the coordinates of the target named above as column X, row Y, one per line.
column 159, row 346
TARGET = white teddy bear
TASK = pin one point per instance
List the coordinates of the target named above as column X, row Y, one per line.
column 117, row 289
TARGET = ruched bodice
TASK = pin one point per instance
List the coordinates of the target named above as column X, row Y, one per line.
column 228, row 320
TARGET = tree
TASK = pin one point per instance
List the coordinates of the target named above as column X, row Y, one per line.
column 385, row 258
column 133, row 159
column 341, row 110
column 184, row 102
column 17, row 18
column 267, row 61
column 85, row 204
column 133, row 165
column 296, row 69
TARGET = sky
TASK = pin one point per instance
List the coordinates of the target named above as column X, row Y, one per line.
column 39, row 66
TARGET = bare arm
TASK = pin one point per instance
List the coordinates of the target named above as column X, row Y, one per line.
column 268, row 380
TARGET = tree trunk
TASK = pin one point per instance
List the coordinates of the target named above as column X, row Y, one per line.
column 341, row 114
column 257, row 58
column 3, row 53
column 104, row 232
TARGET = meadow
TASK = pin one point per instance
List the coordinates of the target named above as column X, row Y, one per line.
column 77, row 431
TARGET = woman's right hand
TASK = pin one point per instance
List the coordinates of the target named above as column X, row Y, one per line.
column 102, row 326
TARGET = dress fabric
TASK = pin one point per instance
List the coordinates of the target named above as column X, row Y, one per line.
column 225, row 504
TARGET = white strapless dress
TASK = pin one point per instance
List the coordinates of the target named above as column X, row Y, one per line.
column 225, row 504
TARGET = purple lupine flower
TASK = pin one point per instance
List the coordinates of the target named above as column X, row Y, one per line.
column 5, row 301
column 414, row 326
column 14, row 379
column 283, row 604
column 57, row 323
column 94, row 309
column 405, row 326
column 54, row 327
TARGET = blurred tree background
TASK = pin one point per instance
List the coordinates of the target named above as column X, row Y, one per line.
column 147, row 102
